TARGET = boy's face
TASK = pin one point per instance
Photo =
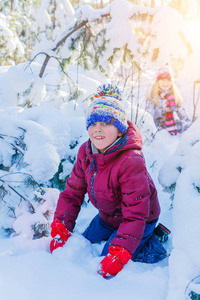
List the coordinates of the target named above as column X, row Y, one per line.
column 164, row 84
column 102, row 135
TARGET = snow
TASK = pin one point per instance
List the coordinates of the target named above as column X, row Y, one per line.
column 88, row 12
column 37, row 274
column 8, row 90
column 28, row 270
column 162, row 22
column 185, row 211
column 122, row 9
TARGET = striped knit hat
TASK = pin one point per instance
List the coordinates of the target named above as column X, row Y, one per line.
column 107, row 104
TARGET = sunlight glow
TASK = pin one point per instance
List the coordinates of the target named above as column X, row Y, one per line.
column 193, row 32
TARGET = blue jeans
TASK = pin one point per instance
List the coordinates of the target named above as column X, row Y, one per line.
column 149, row 250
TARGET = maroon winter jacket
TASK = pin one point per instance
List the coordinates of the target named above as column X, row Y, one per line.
column 118, row 185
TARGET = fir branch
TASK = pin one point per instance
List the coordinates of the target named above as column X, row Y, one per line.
column 80, row 25
column 22, row 173
column 32, row 209
column 14, row 137
column 191, row 281
column 10, row 207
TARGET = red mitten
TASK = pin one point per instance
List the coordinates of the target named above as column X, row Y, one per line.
column 59, row 233
column 54, row 244
column 58, row 228
column 114, row 261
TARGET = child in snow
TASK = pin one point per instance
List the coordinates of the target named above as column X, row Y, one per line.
column 163, row 102
column 110, row 167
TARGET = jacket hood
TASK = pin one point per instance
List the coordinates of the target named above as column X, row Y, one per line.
column 131, row 140
column 134, row 137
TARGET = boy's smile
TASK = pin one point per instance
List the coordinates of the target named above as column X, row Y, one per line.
column 102, row 135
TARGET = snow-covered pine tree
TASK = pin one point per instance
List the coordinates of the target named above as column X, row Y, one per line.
column 27, row 201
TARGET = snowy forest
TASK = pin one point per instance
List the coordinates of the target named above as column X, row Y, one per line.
column 53, row 56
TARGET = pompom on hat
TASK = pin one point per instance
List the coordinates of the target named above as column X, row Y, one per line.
column 107, row 104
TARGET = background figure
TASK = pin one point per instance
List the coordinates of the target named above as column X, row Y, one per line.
column 163, row 102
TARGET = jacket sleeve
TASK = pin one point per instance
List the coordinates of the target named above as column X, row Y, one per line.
column 185, row 121
column 71, row 199
column 156, row 112
column 135, row 189
column 150, row 107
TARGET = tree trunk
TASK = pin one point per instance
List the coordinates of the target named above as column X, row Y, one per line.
column 152, row 3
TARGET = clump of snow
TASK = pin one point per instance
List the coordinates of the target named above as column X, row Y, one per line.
column 12, row 82
column 170, row 22
column 42, row 49
column 121, row 9
column 182, row 168
column 87, row 12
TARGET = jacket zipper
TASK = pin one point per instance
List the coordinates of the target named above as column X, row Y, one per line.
column 92, row 181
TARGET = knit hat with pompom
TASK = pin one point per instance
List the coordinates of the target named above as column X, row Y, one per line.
column 107, row 104
column 164, row 72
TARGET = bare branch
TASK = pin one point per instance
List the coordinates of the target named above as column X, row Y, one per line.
column 194, row 99
column 83, row 23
